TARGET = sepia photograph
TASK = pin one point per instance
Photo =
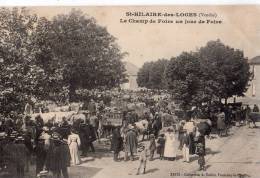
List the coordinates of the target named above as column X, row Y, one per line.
column 130, row 91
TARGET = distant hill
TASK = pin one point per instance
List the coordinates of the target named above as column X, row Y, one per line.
column 131, row 68
column 255, row 60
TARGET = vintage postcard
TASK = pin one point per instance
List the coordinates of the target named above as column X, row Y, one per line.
column 130, row 91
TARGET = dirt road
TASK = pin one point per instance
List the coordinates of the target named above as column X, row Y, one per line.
column 237, row 155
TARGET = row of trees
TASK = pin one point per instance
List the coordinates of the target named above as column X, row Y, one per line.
column 51, row 59
column 214, row 72
column 151, row 75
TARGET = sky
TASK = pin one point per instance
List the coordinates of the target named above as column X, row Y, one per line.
column 240, row 29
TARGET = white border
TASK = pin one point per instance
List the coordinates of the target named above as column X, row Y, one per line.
column 123, row 2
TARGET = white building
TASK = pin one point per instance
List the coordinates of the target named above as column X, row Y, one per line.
column 253, row 92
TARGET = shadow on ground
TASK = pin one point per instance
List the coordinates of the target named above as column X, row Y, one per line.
column 74, row 172
column 151, row 170
column 211, row 152
column 83, row 172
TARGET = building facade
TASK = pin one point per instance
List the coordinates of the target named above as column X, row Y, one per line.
column 254, row 89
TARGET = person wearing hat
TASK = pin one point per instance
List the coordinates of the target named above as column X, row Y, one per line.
column 161, row 144
column 131, row 143
column 201, row 151
column 94, row 122
column 46, row 136
column 40, row 151
column 129, row 117
column 87, row 137
column 170, row 144
column 92, row 106
column 157, row 125
column 58, row 156
column 21, row 156
column 82, row 135
column 143, row 159
column 191, row 130
column 185, row 145
column 8, row 125
column 74, row 144
column 181, row 132
column 116, row 143
column 29, row 145
column 221, row 125
column 152, row 146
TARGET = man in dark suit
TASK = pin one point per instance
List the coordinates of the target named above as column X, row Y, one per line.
column 87, row 136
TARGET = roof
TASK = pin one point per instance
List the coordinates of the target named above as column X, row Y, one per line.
column 255, row 60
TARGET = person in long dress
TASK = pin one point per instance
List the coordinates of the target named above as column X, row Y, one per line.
column 170, row 145
column 116, row 143
column 74, row 144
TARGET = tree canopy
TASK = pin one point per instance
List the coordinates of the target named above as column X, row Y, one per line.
column 226, row 70
column 183, row 77
column 20, row 76
column 85, row 53
column 151, row 75
column 50, row 59
column 216, row 71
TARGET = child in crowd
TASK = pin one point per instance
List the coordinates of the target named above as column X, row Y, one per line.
column 152, row 146
column 160, row 147
column 142, row 159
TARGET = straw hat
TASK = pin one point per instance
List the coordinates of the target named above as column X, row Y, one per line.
column 45, row 128
column 20, row 138
column 56, row 136
column 131, row 127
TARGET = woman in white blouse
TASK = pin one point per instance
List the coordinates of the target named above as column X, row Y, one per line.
column 170, row 145
column 74, row 144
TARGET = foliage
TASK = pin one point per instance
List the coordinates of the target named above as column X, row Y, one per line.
column 51, row 59
column 151, row 75
column 81, row 52
column 20, row 76
column 183, row 77
column 226, row 70
column 213, row 73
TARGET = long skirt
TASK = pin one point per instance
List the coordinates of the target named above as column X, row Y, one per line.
column 74, row 153
column 169, row 149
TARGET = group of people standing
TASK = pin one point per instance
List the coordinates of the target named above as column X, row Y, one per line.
column 57, row 147
column 189, row 140
column 54, row 147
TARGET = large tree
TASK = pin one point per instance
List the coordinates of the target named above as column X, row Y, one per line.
column 20, row 77
column 183, row 77
column 226, row 70
column 48, row 59
column 79, row 49
column 214, row 72
column 152, row 75
column 143, row 75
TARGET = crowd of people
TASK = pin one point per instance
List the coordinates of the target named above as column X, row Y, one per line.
column 53, row 147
